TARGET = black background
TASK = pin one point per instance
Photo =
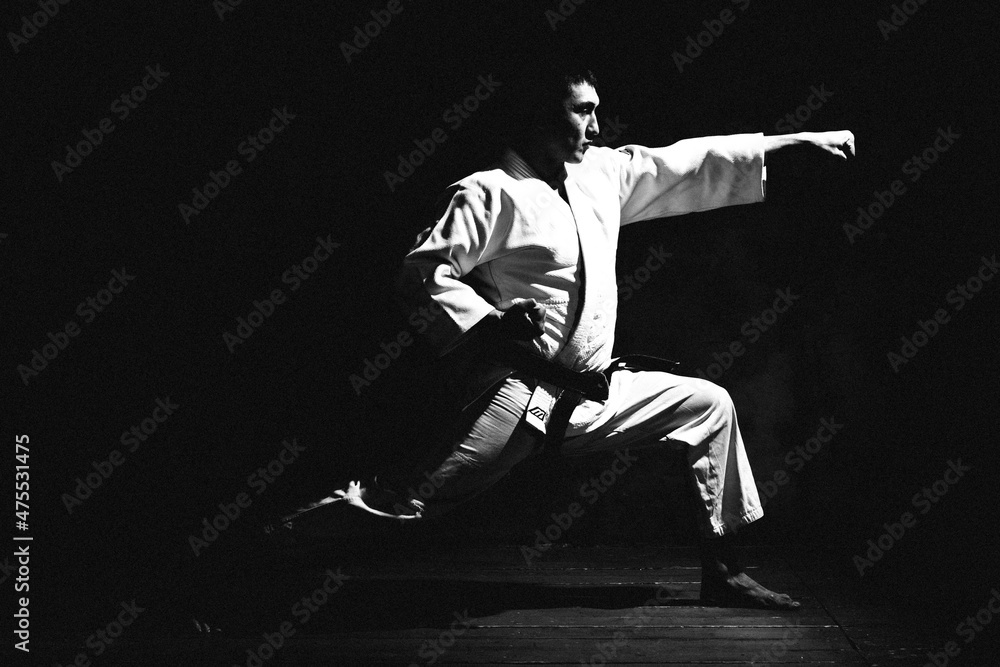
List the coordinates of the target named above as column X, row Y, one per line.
column 324, row 175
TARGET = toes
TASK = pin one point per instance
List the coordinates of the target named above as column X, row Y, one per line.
column 781, row 601
column 756, row 597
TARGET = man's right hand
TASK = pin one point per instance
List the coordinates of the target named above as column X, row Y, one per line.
column 839, row 143
column 523, row 321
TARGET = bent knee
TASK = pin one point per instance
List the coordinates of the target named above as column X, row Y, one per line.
column 707, row 396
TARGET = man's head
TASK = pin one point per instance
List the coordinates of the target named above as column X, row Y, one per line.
column 560, row 113
column 575, row 126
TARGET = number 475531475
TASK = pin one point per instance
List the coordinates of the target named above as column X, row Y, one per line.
column 21, row 474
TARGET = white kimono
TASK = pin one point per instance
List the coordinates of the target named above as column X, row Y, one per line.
column 507, row 235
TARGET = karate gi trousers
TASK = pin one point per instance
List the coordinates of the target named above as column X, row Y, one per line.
column 644, row 409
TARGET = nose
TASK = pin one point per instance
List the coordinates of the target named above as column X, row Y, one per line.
column 593, row 130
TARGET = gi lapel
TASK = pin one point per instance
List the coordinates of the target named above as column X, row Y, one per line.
column 592, row 333
column 594, row 328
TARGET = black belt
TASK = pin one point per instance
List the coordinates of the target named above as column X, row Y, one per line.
column 575, row 386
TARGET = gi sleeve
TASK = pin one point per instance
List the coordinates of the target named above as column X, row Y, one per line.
column 691, row 175
column 445, row 253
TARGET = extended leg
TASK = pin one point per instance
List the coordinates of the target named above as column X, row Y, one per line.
column 490, row 440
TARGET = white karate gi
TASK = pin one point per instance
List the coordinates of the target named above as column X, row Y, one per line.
column 507, row 235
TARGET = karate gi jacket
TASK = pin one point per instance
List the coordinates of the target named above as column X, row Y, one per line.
column 507, row 235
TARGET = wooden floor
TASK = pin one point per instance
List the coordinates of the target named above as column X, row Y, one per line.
column 571, row 606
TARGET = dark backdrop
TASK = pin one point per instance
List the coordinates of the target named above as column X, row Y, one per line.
column 323, row 175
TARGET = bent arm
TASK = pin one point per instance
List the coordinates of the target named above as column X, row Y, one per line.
column 432, row 271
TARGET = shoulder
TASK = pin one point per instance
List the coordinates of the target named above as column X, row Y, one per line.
column 601, row 163
column 604, row 159
column 475, row 194
column 481, row 186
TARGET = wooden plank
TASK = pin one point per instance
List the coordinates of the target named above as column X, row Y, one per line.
column 576, row 617
column 828, row 636
column 537, row 566
column 333, row 650
column 665, row 651
column 558, row 555
column 486, row 599
column 664, row 616
column 552, row 578
column 711, row 663
column 880, row 633
column 557, row 610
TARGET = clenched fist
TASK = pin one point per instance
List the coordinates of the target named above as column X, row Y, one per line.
column 839, row 143
column 525, row 320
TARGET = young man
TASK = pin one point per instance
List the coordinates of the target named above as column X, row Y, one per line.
column 524, row 256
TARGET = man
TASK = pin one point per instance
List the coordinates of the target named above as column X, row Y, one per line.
column 524, row 255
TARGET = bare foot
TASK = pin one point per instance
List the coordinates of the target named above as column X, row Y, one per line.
column 725, row 584
column 739, row 590
column 382, row 502
column 370, row 497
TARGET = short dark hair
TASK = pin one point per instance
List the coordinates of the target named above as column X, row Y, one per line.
column 562, row 79
column 539, row 92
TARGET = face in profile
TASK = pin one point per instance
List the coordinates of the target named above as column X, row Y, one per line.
column 575, row 127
